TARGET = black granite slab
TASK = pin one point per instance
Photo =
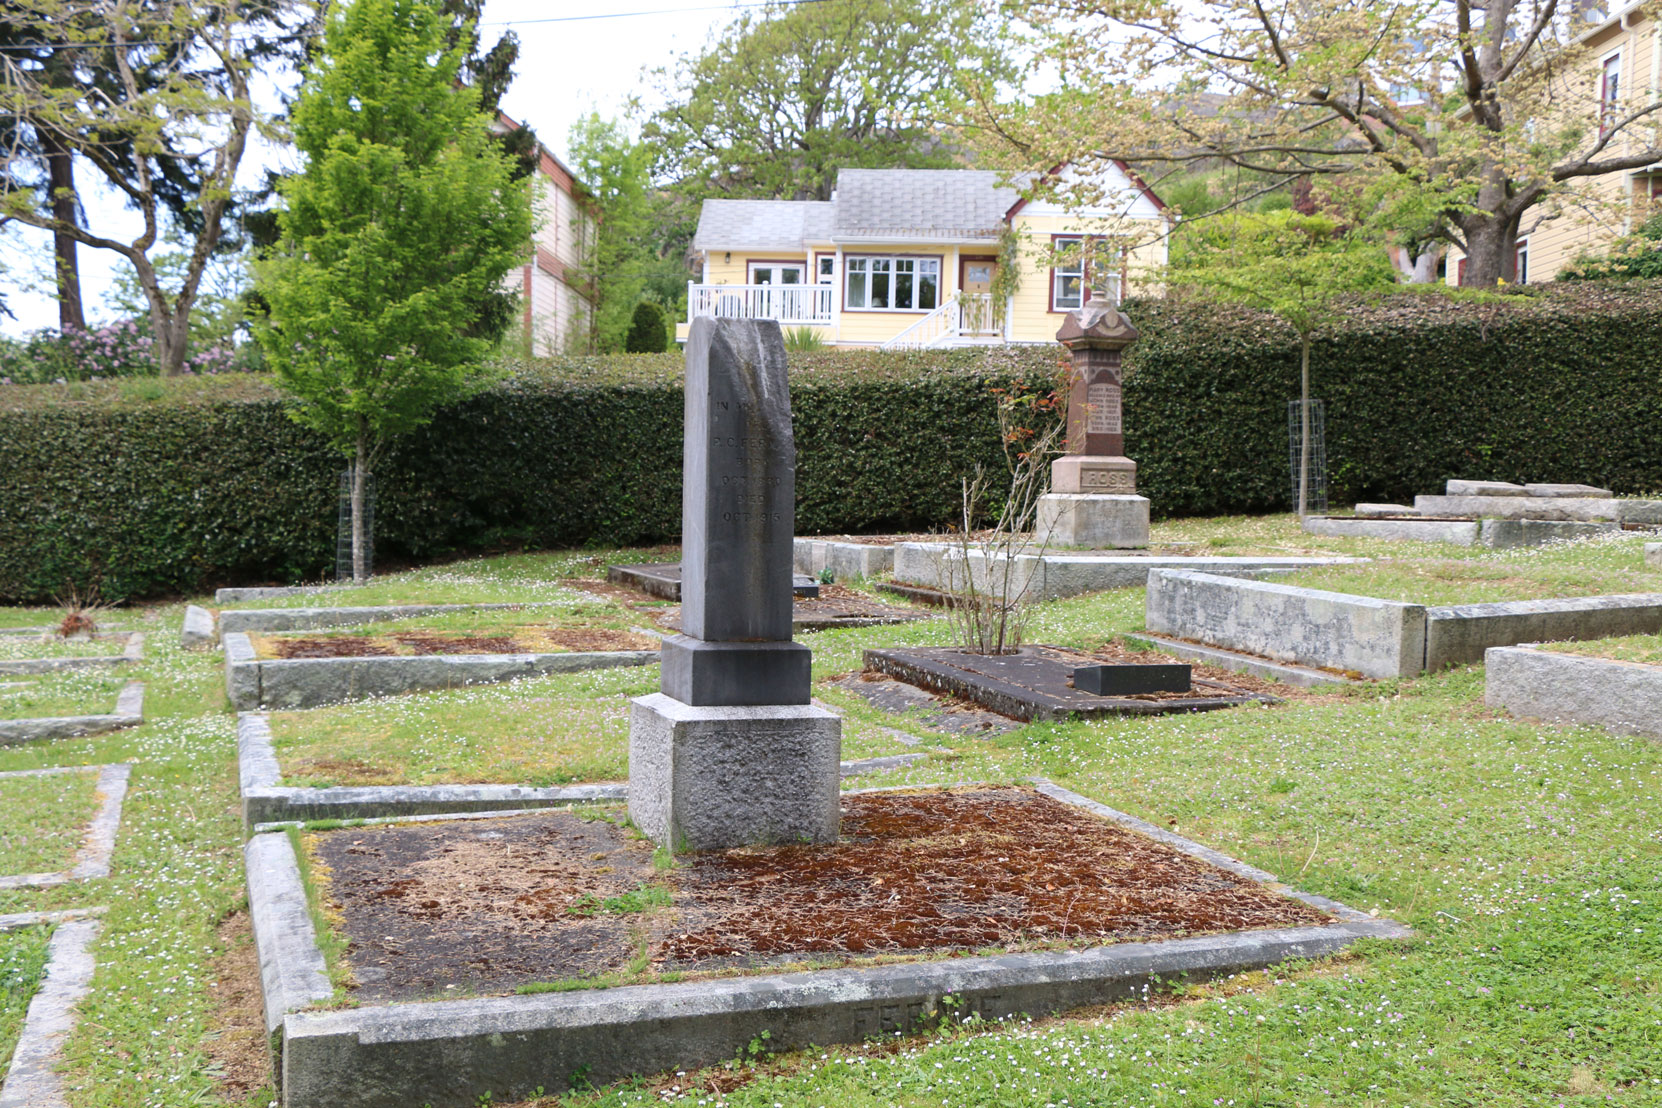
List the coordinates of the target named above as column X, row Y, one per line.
column 1035, row 683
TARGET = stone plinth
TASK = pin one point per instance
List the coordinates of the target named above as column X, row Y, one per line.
column 729, row 752
column 1089, row 521
column 1093, row 503
column 709, row 778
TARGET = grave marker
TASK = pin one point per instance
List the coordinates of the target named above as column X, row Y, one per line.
column 730, row 752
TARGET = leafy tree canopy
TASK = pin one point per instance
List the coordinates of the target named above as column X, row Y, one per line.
column 1484, row 115
column 790, row 94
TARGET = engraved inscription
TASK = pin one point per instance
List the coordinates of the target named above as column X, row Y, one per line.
column 1103, row 402
column 1108, row 480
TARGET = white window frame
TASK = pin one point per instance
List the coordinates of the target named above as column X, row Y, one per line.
column 1520, row 270
column 867, row 266
column 1058, row 273
column 800, row 267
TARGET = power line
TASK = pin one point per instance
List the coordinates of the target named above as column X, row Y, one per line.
column 296, row 37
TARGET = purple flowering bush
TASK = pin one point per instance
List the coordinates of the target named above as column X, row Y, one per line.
column 122, row 349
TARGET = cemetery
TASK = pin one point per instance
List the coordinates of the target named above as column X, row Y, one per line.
column 517, row 825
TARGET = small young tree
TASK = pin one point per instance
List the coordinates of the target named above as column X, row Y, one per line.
column 395, row 238
column 647, row 331
column 1294, row 266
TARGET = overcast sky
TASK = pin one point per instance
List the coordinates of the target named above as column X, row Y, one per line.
column 575, row 56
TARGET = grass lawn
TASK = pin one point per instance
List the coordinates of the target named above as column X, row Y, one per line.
column 76, row 692
column 23, row 956
column 1528, row 857
column 1629, row 648
column 14, row 647
column 43, row 819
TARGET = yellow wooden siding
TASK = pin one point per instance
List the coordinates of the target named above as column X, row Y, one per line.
column 1031, row 319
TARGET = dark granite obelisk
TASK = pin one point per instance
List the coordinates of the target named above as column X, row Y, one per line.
column 738, row 514
column 731, row 752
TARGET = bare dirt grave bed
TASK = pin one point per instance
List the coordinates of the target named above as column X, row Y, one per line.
column 524, row 640
column 835, row 606
column 491, row 906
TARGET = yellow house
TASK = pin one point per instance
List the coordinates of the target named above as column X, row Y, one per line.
column 912, row 257
column 1621, row 69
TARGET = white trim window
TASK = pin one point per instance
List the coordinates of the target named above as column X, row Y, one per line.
column 776, row 273
column 1067, row 279
column 892, row 284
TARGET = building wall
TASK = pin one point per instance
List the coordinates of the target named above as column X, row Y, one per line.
column 555, row 310
column 1615, row 201
column 1032, row 317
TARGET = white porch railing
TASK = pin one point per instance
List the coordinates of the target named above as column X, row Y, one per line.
column 798, row 304
column 963, row 315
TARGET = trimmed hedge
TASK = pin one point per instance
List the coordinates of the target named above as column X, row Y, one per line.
column 1554, row 383
column 160, row 487
column 150, row 487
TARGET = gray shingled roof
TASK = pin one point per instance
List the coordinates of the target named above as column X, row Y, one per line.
column 920, row 205
column 912, row 205
column 762, row 224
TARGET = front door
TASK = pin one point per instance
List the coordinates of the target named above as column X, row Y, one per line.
column 975, row 280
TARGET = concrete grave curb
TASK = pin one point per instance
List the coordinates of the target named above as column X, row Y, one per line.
column 1584, row 509
column 1051, row 576
column 32, row 1080
column 1375, row 638
column 1303, row 677
column 313, row 619
column 275, row 592
column 134, row 652
column 448, row 1053
column 1625, row 697
column 265, row 801
column 1458, row 634
column 92, row 859
column 846, row 560
column 1459, row 532
column 129, row 712
column 198, row 632
column 252, row 682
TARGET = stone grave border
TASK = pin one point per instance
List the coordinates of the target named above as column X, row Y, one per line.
column 134, row 652
column 265, row 801
column 32, row 1080
column 1625, row 697
column 1053, row 575
column 1499, row 534
column 449, row 1052
column 129, row 712
column 846, row 560
column 1375, row 638
column 1288, row 673
column 314, row 619
column 292, row 683
column 92, row 860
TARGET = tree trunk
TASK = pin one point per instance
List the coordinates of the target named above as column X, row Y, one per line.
column 1304, row 430
column 360, row 535
column 1491, row 250
column 60, row 170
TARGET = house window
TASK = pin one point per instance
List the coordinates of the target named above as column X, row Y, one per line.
column 1610, row 92
column 1520, row 273
column 827, row 269
column 878, row 284
column 1082, row 263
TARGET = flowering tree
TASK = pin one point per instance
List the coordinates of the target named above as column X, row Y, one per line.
column 1477, row 115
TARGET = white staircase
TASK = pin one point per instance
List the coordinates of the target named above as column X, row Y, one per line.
column 963, row 319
